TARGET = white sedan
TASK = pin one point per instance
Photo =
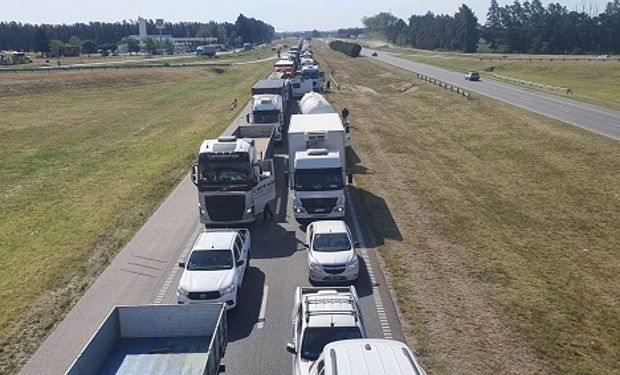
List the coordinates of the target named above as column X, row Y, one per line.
column 331, row 252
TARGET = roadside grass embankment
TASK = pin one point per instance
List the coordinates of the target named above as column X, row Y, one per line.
column 85, row 158
column 497, row 228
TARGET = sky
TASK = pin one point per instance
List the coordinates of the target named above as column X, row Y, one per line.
column 283, row 15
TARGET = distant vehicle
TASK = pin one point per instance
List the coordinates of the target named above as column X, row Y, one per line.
column 165, row 339
column 331, row 252
column 375, row 54
column 603, row 57
column 366, row 356
column 472, row 76
column 215, row 267
column 322, row 316
column 206, row 50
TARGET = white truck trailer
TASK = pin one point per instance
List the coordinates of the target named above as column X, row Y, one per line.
column 317, row 166
column 157, row 339
column 313, row 103
column 235, row 176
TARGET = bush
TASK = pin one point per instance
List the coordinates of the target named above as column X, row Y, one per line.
column 349, row 49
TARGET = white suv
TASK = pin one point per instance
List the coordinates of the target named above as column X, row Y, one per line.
column 322, row 316
column 215, row 267
column 331, row 252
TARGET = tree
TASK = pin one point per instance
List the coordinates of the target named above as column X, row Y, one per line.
column 168, row 46
column 41, row 42
column 74, row 41
column 56, row 46
column 150, row 45
column 466, row 29
column 132, row 45
column 89, row 46
column 493, row 25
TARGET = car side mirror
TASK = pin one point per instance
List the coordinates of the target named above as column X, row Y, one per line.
column 290, row 347
column 350, row 178
column 195, row 174
column 182, row 264
column 240, row 263
column 222, row 368
column 356, row 244
column 247, row 118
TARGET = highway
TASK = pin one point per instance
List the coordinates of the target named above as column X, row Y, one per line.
column 146, row 271
column 594, row 118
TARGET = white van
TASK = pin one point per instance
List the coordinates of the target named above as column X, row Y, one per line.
column 366, row 357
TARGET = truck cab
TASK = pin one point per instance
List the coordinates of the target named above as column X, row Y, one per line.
column 268, row 109
column 322, row 316
column 315, row 74
column 235, row 178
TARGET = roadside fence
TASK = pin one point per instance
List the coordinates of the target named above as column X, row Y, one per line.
column 108, row 67
column 565, row 90
column 445, row 85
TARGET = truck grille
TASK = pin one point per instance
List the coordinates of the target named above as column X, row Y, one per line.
column 319, row 205
column 334, row 269
column 203, row 295
column 225, row 207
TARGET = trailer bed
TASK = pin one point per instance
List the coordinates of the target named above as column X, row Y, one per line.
column 168, row 355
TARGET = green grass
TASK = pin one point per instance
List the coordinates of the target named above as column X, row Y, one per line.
column 596, row 82
column 85, row 157
column 498, row 228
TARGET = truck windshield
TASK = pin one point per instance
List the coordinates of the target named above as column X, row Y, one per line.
column 318, row 179
column 266, row 117
column 312, row 74
column 316, row 338
column 331, row 242
column 210, row 260
column 224, row 169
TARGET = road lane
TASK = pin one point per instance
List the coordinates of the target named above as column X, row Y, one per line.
column 594, row 118
column 146, row 271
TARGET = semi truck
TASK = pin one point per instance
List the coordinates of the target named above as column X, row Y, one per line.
column 206, row 50
column 157, row 339
column 315, row 74
column 317, row 166
column 235, row 176
column 270, row 102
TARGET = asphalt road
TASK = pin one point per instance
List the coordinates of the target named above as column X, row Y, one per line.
column 146, row 271
column 597, row 119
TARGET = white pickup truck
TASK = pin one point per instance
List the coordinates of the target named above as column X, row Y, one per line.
column 215, row 268
column 322, row 316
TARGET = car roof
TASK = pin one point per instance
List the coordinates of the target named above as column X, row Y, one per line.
column 328, row 308
column 371, row 356
column 216, row 240
column 330, row 226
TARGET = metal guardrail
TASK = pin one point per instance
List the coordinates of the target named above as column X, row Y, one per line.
column 445, row 85
column 548, row 59
column 331, row 76
column 565, row 90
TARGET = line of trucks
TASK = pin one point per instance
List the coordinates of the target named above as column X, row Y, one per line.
column 235, row 178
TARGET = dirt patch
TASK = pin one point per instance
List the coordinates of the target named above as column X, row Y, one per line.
column 358, row 89
column 404, row 87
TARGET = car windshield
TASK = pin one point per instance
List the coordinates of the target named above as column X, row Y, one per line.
column 210, row 260
column 315, row 339
column 318, row 179
column 331, row 242
column 266, row 117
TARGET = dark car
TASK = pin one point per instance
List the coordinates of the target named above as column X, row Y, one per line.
column 472, row 76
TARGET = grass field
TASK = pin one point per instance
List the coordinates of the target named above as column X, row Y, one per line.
column 596, row 82
column 498, row 228
column 85, row 157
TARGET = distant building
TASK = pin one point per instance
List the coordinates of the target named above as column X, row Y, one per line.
column 71, row 51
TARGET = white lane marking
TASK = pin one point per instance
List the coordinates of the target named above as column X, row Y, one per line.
column 175, row 269
column 263, row 308
column 383, row 321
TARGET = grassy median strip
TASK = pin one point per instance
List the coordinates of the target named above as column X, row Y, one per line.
column 85, row 157
column 596, row 82
column 498, row 228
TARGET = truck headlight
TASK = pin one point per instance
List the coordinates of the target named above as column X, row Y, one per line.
column 298, row 209
column 339, row 209
column 227, row 290
column 182, row 292
column 249, row 210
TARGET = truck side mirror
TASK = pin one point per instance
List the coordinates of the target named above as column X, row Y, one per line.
column 350, row 178
column 195, row 174
column 290, row 347
column 182, row 264
column 222, row 368
column 247, row 118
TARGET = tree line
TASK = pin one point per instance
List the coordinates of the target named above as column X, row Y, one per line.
column 518, row 27
column 29, row 37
